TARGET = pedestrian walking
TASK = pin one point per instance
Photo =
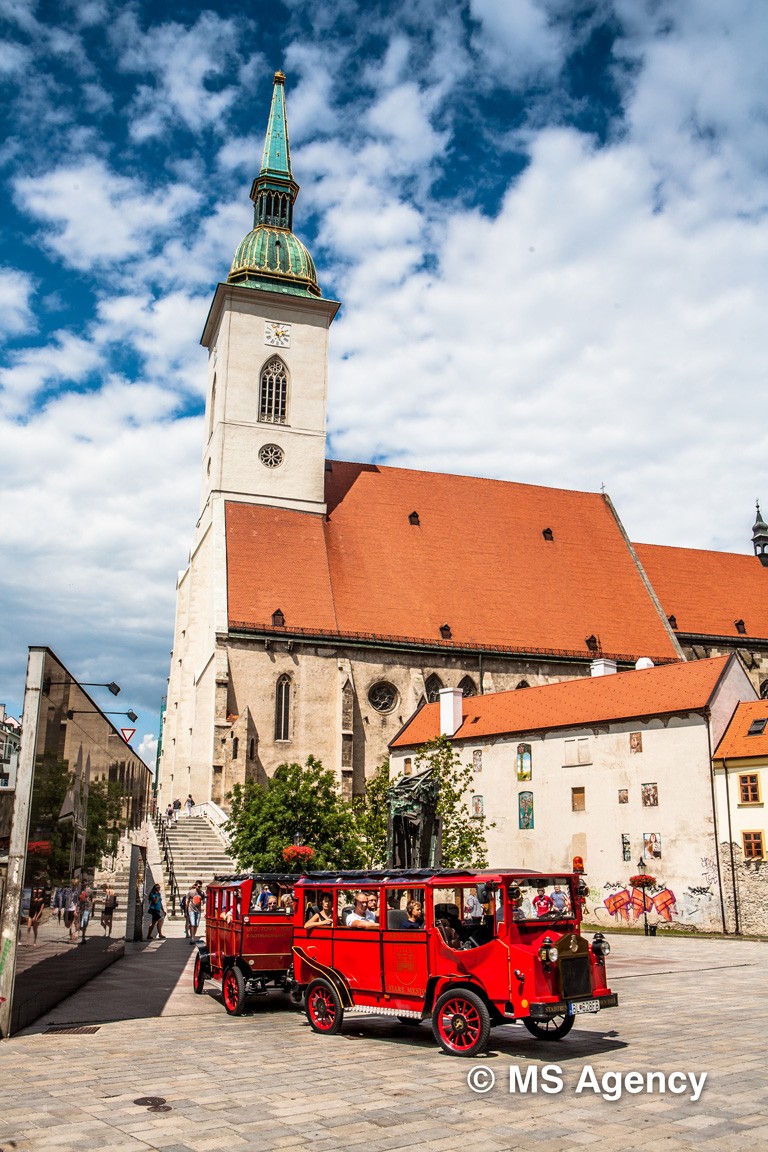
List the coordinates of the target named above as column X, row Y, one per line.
column 194, row 909
column 176, row 810
column 190, row 804
column 168, row 815
column 36, row 905
column 156, row 912
column 110, row 903
column 70, row 911
column 84, row 908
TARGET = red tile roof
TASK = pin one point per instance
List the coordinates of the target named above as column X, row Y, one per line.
column 681, row 687
column 707, row 592
column 477, row 561
column 735, row 743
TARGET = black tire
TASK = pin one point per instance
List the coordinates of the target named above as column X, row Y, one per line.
column 552, row 1029
column 324, row 1009
column 461, row 1023
column 198, row 976
column 233, row 989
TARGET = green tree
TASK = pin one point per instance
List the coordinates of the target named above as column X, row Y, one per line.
column 463, row 835
column 372, row 810
column 300, row 800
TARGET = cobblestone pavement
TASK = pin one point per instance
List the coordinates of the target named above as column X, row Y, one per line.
column 265, row 1081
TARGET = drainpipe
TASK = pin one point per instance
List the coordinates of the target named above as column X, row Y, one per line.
column 714, row 819
column 730, row 846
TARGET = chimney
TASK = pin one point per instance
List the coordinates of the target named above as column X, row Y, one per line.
column 450, row 710
column 602, row 667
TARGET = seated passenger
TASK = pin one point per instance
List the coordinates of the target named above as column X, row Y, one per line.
column 373, row 907
column 357, row 917
column 272, row 904
column 263, row 897
column 322, row 918
column 414, row 913
column 560, row 902
column 449, row 934
column 542, row 903
column 473, row 909
column 286, row 902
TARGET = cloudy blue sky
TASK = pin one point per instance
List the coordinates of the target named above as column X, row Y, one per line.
column 546, row 221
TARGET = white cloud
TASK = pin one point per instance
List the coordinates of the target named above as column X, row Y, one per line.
column 97, row 217
column 518, row 40
column 16, row 288
column 148, row 749
column 67, row 358
column 186, row 65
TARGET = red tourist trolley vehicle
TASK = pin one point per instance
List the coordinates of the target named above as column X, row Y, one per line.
column 467, row 949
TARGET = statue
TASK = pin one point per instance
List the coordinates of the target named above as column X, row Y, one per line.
column 413, row 826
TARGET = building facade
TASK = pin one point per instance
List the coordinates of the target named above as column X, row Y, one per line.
column 325, row 601
column 616, row 770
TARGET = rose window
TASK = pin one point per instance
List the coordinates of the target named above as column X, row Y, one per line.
column 271, row 456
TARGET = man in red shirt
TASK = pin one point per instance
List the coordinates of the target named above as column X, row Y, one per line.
column 542, row 903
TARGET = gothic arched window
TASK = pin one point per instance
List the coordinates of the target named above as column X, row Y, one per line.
column 433, row 684
column 273, row 392
column 468, row 686
column 283, row 708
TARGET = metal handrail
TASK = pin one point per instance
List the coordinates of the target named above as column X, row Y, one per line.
column 165, row 845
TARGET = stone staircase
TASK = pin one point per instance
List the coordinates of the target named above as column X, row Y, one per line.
column 198, row 853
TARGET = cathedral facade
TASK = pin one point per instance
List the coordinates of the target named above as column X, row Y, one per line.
column 325, row 601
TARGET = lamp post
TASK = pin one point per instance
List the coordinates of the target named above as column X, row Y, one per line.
column 641, row 868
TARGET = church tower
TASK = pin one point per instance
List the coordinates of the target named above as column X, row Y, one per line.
column 264, row 443
column 267, row 336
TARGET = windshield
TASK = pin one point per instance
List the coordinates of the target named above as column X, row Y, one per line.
column 540, row 898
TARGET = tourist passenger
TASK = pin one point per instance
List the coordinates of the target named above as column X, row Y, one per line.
column 357, row 917
column 542, row 903
column 323, row 917
column 414, row 912
column 560, row 901
column 373, row 907
column 272, row 905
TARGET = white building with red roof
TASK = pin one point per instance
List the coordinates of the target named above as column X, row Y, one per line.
column 615, row 769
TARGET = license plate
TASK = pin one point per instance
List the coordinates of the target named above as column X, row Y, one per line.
column 584, row 1006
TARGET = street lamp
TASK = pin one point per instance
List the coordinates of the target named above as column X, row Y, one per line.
column 113, row 688
column 132, row 716
column 641, row 869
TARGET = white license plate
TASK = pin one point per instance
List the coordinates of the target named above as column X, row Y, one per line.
column 584, row 1006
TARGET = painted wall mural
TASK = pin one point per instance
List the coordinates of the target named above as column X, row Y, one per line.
column 524, row 762
column 525, row 810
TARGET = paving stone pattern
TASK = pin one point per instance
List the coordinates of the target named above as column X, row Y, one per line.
column 265, row 1081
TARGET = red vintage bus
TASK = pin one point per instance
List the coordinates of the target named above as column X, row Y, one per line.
column 467, row 949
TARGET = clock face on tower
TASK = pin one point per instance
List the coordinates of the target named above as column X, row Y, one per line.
column 277, row 334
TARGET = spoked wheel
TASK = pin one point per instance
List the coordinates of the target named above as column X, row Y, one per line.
column 552, row 1029
column 461, row 1023
column 324, row 1010
column 233, row 989
column 198, row 976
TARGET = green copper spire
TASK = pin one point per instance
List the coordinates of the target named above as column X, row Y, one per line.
column 276, row 158
column 270, row 257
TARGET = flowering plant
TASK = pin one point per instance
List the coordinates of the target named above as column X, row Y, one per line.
column 642, row 880
column 298, row 854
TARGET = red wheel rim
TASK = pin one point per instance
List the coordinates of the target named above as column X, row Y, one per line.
column 230, row 991
column 322, row 1009
column 459, row 1024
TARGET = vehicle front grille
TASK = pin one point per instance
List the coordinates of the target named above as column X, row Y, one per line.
column 575, row 977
